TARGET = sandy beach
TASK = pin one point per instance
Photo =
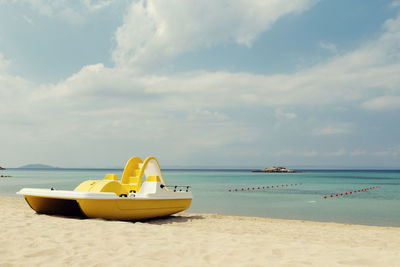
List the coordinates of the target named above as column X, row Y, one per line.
column 188, row 240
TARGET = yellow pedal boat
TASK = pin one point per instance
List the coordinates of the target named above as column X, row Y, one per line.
column 128, row 199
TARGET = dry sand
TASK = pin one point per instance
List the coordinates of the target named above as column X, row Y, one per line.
column 29, row 239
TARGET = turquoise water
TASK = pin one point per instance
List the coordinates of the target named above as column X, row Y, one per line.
column 210, row 189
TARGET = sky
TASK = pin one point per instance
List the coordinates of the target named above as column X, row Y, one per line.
column 224, row 84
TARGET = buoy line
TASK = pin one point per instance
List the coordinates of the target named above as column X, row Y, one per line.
column 352, row 192
column 254, row 188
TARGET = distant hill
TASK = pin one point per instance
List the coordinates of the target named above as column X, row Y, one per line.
column 37, row 166
column 1, row 168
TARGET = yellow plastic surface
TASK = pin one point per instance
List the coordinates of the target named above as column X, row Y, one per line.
column 112, row 177
column 122, row 208
column 118, row 209
column 131, row 178
column 153, row 179
column 102, row 186
column 132, row 209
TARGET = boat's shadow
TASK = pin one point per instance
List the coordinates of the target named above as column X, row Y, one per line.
column 173, row 219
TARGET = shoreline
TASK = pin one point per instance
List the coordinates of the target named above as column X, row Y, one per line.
column 240, row 217
column 189, row 239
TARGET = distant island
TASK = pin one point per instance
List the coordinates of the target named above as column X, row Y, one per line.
column 276, row 169
column 37, row 166
column 3, row 176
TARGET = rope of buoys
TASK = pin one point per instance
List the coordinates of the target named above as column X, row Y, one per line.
column 262, row 187
column 353, row 191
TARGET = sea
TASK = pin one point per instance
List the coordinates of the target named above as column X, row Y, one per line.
column 294, row 196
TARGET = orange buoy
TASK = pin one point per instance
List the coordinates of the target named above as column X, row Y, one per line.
column 242, row 188
column 253, row 188
column 341, row 194
column 336, row 194
column 331, row 195
column 248, row 188
column 235, row 189
column 345, row 193
column 324, row 196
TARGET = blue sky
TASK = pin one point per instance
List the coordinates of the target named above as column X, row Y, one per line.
column 200, row 83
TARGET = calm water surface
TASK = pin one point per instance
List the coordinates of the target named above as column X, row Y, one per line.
column 210, row 189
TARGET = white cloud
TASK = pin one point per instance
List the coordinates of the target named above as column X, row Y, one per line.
column 285, row 152
column 72, row 16
column 311, row 153
column 382, row 153
column 383, row 103
column 349, row 78
column 103, row 105
column 180, row 110
column 73, row 12
column 389, row 152
column 4, row 63
column 358, row 152
column 155, row 31
column 279, row 113
column 27, row 19
column 392, row 151
column 205, row 115
column 335, row 129
column 328, row 46
column 94, row 5
column 395, row 3
column 340, row 152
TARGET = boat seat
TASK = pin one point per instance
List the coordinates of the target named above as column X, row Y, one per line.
column 132, row 183
column 112, row 177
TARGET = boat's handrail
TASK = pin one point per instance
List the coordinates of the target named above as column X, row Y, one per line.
column 176, row 187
